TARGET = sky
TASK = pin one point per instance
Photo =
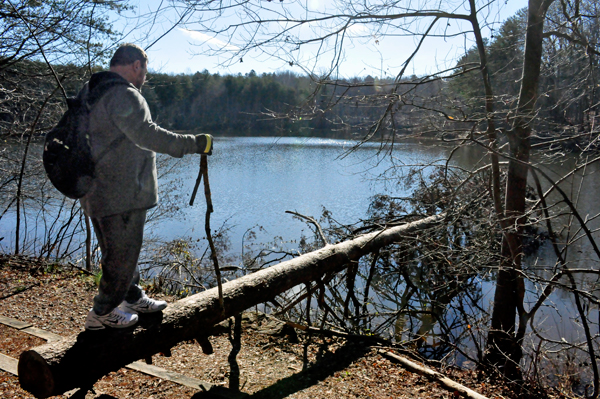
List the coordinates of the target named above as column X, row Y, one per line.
column 183, row 50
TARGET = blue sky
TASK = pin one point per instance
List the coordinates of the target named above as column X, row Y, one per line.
column 185, row 50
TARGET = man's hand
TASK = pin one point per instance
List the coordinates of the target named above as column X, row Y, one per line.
column 204, row 144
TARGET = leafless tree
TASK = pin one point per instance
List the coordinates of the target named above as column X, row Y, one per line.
column 317, row 41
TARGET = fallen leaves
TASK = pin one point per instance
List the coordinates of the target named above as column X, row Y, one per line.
column 61, row 300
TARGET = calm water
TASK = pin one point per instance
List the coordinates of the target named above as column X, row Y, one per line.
column 255, row 180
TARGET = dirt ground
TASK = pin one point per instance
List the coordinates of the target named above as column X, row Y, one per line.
column 271, row 366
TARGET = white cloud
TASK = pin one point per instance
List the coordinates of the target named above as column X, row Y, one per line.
column 316, row 5
column 358, row 30
column 204, row 38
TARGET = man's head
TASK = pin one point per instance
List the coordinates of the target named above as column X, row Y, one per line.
column 131, row 62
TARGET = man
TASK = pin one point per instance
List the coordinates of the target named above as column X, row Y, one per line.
column 125, row 186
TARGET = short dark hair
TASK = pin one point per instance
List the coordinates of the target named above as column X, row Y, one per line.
column 127, row 54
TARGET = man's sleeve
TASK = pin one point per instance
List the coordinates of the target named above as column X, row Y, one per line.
column 130, row 113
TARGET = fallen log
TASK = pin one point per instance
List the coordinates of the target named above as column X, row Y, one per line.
column 79, row 360
column 444, row 381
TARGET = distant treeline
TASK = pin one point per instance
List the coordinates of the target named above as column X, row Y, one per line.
column 281, row 103
column 288, row 104
column 240, row 105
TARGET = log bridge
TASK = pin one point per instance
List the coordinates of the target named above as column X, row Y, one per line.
column 79, row 360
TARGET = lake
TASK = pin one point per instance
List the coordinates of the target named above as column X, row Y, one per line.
column 255, row 180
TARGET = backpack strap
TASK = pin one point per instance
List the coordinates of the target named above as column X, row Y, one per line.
column 112, row 146
column 98, row 85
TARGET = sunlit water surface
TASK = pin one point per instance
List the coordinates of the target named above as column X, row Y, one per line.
column 254, row 181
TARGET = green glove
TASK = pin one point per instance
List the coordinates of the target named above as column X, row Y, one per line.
column 204, row 144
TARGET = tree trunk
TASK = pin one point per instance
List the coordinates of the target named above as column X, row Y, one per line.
column 80, row 360
column 504, row 343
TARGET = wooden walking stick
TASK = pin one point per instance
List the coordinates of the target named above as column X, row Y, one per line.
column 203, row 173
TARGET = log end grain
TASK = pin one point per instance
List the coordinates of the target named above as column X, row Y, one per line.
column 35, row 374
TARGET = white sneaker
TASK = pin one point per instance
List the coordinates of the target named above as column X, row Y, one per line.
column 117, row 318
column 143, row 305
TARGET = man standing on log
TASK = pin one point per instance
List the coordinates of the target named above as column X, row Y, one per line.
column 125, row 185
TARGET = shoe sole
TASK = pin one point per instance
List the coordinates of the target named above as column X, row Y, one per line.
column 106, row 326
column 102, row 326
column 94, row 328
column 144, row 311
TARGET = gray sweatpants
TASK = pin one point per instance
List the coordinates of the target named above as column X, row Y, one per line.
column 120, row 238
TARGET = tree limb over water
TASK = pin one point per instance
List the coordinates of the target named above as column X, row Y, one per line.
column 80, row 360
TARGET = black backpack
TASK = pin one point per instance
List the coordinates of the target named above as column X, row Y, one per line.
column 67, row 154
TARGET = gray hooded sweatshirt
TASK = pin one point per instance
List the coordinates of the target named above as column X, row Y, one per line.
column 126, row 177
